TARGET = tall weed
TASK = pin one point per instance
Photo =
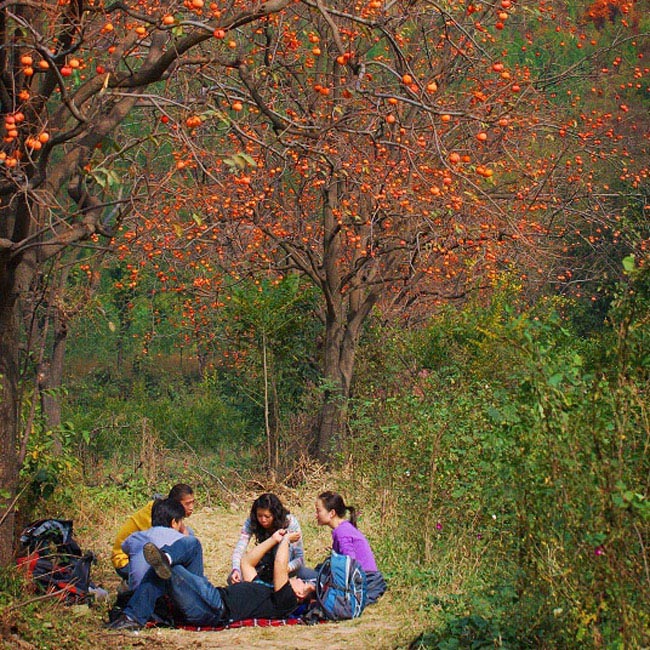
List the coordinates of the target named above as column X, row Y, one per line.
column 510, row 458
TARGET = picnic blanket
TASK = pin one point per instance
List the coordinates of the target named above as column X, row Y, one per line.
column 249, row 622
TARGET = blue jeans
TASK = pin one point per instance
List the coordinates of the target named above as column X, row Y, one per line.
column 305, row 573
column 198, row 601
column 186, row 554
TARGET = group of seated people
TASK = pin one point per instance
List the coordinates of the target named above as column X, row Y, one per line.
column 158, row 555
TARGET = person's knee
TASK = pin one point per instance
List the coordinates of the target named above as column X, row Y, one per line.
column 187, row 544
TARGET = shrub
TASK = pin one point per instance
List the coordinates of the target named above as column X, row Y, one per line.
column 509, row 461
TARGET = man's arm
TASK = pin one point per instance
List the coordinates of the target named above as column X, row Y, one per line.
column 251, row 559
column 281, row 565
column 140, row 520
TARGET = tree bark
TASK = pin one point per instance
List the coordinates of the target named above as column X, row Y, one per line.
column 346, row 311
column 9, row 401
column 50, row 377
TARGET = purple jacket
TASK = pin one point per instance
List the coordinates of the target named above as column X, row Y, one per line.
column 350, row 541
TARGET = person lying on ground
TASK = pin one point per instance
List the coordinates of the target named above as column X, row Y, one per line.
column 267, row 515
column 177, row 570
column 166, row 523
column 141, row 520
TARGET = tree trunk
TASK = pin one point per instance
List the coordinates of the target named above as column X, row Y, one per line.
column 50, row 378
column 345, row 314
column 9, row 405
column 335, row 394
column 340, row 353
column 49, row 374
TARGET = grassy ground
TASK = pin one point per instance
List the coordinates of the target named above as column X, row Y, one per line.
column 391, row 623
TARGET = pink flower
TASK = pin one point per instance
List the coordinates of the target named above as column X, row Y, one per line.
column 599, row 550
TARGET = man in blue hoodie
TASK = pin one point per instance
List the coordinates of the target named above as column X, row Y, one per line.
column 166, row 525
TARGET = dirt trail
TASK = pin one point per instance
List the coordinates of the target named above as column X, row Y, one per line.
column 381, row 626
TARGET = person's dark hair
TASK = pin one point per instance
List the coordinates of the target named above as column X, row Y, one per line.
column 271, row 502
column 334, row 501
column 164, row 511
column 179, row 491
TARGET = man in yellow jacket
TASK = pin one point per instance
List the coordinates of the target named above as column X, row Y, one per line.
column 141, row 520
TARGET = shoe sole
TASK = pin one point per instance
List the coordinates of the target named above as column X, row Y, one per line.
column 123, row 625
column 157, row 560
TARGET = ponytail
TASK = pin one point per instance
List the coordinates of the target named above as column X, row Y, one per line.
column 353, row 515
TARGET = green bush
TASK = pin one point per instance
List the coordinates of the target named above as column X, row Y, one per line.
column 511, row 457
column 197, row 416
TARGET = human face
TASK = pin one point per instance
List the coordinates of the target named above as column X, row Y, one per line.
column 264, row 518
column 188, row 502
column 323, row 516
column 301, row 588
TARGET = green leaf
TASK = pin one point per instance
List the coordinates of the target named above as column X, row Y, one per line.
column 628, row 264
column 494, row 414
column 248, row 159
column 240, row 161
column 105, row 177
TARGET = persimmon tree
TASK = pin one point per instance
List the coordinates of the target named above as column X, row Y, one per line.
column 402, row 154
column 387, row 151
column 71, row 74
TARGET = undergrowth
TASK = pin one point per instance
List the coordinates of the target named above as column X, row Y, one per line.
column 499, row 463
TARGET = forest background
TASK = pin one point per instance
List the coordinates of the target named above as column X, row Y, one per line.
column 403, row 243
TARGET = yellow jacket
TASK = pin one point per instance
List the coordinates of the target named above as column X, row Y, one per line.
column 140, row 520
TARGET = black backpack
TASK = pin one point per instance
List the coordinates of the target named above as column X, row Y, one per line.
column 52, row 559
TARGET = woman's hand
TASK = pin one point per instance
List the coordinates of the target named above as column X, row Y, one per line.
column 235, row 576
column 279, row 535
column 294, row 537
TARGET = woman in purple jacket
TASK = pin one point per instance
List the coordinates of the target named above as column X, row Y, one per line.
column 348, row 539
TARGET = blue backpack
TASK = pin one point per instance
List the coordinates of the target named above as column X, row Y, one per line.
column 341, row 587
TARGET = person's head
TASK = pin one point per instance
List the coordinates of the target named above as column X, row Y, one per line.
column 303, row 590
column 168, row 513
column 184, row 494
column 330, row 508
column 268, row 515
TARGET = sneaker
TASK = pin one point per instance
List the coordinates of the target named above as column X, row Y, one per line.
column 158, row 560
column 123, row 622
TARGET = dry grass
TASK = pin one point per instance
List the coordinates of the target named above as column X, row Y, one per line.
column 387, row 624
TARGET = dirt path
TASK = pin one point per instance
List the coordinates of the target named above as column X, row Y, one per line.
column 380, row 627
